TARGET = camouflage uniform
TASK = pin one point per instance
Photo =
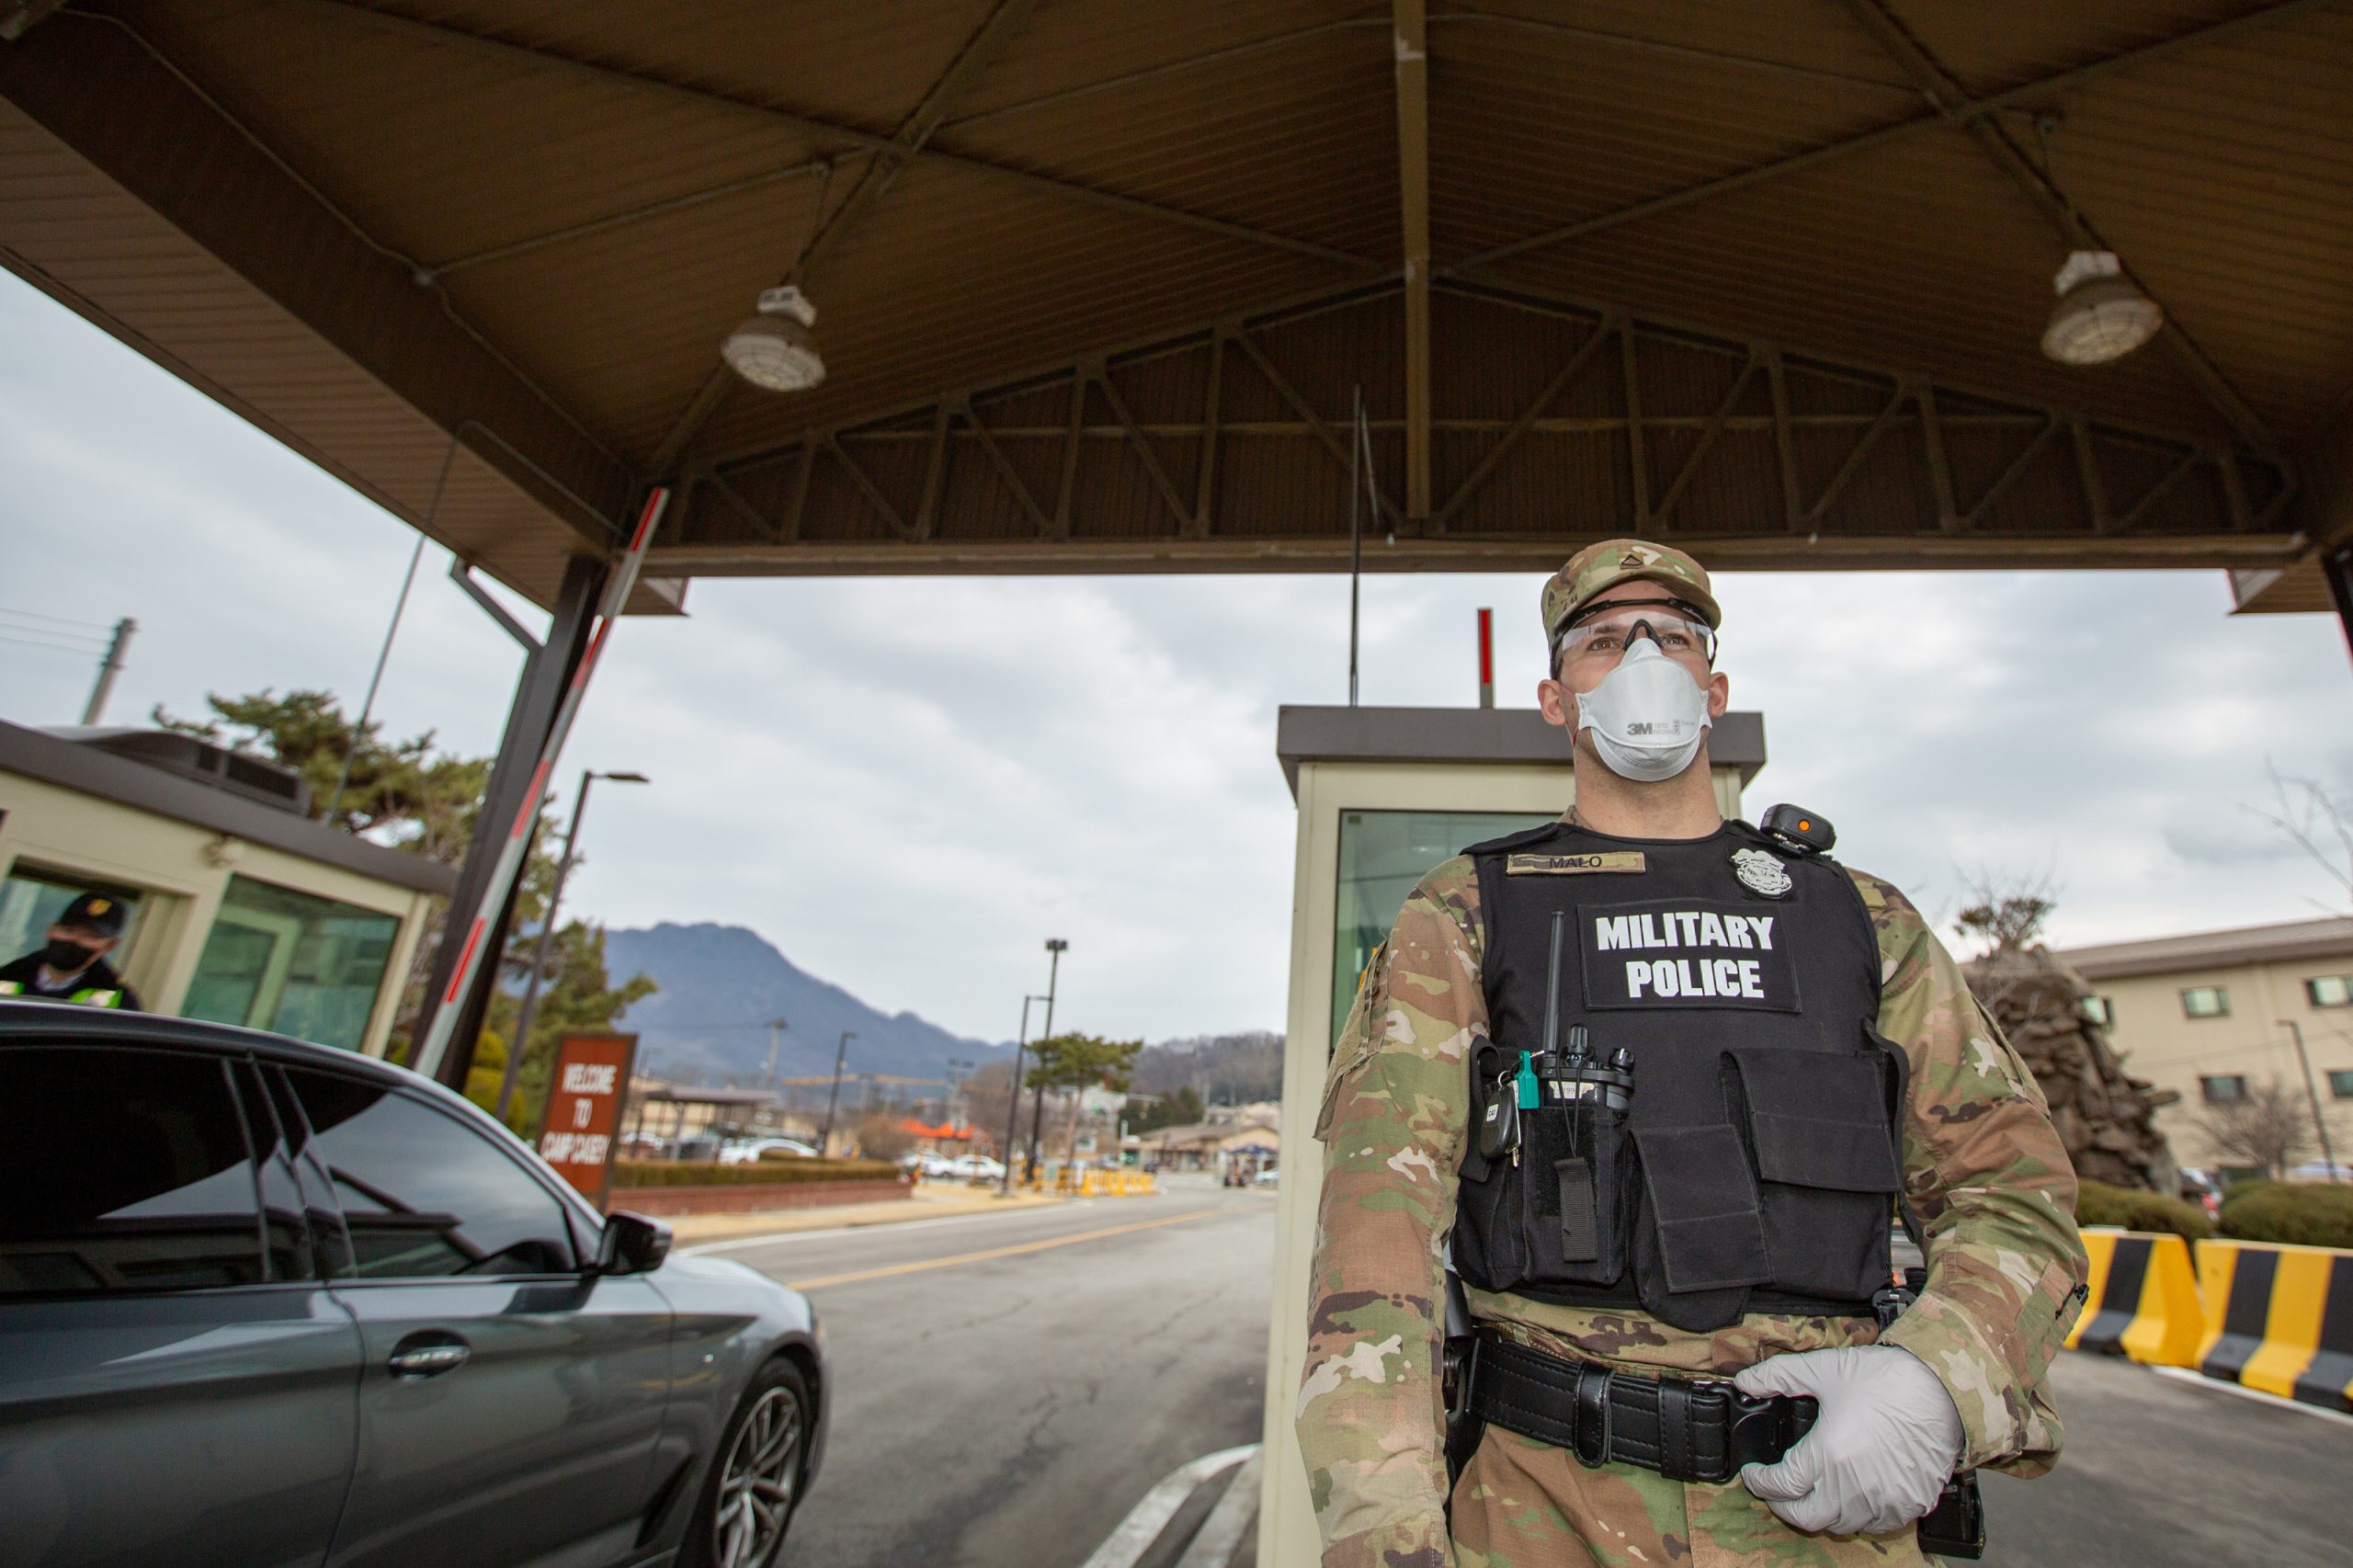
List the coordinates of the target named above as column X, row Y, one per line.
column 1982, row 1165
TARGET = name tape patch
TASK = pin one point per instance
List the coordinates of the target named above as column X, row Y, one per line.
column 1687, row 953
column 1573, row 865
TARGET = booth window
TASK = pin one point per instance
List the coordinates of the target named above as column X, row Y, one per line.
column 293, row 962
column 31, row 900
column 1382, row 854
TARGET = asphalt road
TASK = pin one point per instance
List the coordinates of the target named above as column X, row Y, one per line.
column 999, row 1402
column 2160, row 1473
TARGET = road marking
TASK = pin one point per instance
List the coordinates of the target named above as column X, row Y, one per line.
column 924, row 1264
column 2198, row 1379
column 894, row 1227
column 1125, row 1546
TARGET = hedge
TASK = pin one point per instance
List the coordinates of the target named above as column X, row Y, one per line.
column 2274, row 1211
column 2097, row 1203
column 773, row 1173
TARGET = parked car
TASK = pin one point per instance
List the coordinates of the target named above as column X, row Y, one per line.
column 928, row 1164
column 746, row 1151
column 975, row 1167
column 2322, row 1170
column 269, row 1302
column 2203, row 1189
column 1270, row 1176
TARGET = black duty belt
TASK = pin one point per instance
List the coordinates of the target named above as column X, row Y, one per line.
column 1700, row 1430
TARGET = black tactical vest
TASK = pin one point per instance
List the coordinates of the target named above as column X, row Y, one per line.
column 1753, row 1166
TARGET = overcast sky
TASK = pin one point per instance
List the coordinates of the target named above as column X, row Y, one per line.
column 907, row 785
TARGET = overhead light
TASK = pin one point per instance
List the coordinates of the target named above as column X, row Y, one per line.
column 2101, row 314
column 775, row 349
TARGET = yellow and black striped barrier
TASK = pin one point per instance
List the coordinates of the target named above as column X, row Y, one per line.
column 2279, row 1319
column 2144, row 1300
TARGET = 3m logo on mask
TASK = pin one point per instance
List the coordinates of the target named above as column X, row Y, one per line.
column 1687, row 953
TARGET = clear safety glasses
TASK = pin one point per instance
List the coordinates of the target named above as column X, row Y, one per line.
column 1680, row 634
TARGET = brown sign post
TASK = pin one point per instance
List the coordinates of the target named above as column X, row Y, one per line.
column 584, row 1118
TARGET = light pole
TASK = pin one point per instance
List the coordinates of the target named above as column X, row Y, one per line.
column 547, row 928
column 1056, row 947
column 958, row 1070
column 1013, row 1097
column 2312, row 1094
column 776, row 1028
column 841, row 1054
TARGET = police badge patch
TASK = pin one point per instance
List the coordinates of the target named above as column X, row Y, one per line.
column 1761, row 871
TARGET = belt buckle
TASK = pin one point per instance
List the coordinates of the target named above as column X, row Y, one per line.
column 1762, row 1427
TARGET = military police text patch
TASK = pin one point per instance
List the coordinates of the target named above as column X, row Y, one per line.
column 1572, row 865
column 1687, row 953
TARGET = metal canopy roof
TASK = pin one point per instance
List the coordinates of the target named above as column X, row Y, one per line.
column 1097, row 281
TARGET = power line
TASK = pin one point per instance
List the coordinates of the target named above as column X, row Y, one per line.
column 53, row 647
column 59, row 620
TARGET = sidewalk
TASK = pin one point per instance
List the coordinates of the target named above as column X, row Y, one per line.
column 929, row 1202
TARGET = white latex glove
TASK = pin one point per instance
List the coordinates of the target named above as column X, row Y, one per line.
column 1882, row 1448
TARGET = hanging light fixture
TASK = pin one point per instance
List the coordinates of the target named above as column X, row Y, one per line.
column 2102, row 315
column 775, row 348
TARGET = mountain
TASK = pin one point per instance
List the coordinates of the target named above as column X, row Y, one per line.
column 721, row 984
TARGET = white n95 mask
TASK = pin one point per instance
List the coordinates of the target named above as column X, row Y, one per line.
column 1648, row 716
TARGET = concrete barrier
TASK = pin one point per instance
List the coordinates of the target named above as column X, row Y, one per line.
column 2279, row 1319
column 2144, row 1297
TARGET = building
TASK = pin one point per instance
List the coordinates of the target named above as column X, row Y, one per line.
column 2214, row 1013
column 1249, row 1138
column 244, row 910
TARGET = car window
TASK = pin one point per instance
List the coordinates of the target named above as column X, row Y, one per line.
column 423, row 1194
column 125, row 1169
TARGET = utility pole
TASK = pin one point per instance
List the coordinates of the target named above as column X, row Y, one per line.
column 2312, row 1095
column 547, row 928
column 776, row 1027
column 841, row 1053
column 109, row 667
column 1056, row 947
column 1013, row 1099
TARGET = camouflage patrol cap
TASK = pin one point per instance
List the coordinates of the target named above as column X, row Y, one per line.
column 1601, row 566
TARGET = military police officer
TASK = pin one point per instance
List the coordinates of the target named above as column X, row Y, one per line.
column 71, row 966
column 1652, row 1086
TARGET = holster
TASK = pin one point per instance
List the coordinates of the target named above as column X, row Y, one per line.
column 1459, row 1360
column 1956, row 1525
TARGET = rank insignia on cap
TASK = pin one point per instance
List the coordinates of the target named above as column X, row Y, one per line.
column 99, row 906
column 1630, row 559
column 1762, row 872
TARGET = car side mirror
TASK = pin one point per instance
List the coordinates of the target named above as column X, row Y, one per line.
column 631, row 1244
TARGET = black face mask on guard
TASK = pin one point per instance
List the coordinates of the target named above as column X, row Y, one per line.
column 65, row 955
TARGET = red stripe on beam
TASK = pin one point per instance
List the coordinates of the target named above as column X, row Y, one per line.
column 465, row 963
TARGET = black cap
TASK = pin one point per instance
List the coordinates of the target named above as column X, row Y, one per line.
column 99, row 911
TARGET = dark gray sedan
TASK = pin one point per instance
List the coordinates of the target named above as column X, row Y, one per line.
column 266, row 1304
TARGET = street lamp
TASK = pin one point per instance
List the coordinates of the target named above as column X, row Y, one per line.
column 1056, row 948
column 547, row 928
column 2328, row 1156
column 1013, row 1097
column 841, row 1053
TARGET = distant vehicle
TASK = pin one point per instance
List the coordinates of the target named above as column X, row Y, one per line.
column 2203, row 1189
column 744, row 1151
column 930, row 1166
column 210, row 1230
column 1270, row 1176
column 975, row 1167
column 2322, row 1170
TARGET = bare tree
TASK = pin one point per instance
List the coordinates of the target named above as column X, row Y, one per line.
column 2269, row 1126
column 2313, row 820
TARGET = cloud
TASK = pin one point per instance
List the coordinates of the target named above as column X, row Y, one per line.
column 909, row 784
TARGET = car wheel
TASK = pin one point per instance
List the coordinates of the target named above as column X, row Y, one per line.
column 755, row 1481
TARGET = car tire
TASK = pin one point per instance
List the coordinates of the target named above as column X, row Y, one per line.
column 753, row 1487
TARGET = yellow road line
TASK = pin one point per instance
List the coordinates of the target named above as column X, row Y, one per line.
column 918, row 1267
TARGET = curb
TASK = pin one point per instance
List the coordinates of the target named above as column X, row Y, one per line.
column 1168, row 1518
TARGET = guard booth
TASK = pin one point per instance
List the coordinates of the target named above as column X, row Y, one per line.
column 1384, row 794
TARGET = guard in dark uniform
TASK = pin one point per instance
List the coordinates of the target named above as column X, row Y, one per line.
column 73, row 966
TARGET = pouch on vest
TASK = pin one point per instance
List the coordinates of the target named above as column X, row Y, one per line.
column 1823, row 1147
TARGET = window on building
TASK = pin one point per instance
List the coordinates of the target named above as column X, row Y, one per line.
column 2223, row 1089
column 126, row 1170
column 291, row 961
column 423, row 1194
column 31, row 900
column 2329, row 991
column 2206, row 1002
column 2100, row 1010
column 1382, row 854
column 2340, row 1084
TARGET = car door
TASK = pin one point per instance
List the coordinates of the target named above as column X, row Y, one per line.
column 510, row 1398
column 175, row 1386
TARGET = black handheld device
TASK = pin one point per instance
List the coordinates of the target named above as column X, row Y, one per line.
column 1807, row 831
